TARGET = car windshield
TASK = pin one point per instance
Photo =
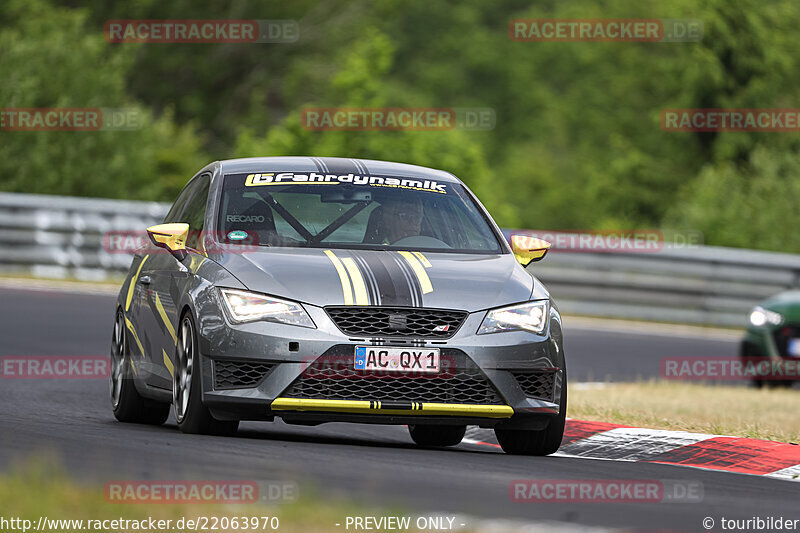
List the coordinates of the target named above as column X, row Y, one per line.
column 370, row 212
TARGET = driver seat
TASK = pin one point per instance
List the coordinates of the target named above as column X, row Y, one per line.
column 376, row 231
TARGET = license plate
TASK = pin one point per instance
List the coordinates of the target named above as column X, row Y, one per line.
column 794, row 347
column 392, row 359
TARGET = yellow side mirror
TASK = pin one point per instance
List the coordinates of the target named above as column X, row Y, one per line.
column 528, row 249
column 170, row 236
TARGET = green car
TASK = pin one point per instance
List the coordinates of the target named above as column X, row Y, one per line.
column 773, row 334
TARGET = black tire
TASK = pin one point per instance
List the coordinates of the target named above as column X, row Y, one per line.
column 437, row 435
column 128, row 405
column 748, row 352
column 540, row 441
column 190, row 413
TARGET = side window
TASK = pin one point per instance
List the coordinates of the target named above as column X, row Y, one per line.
column 176, row 210
column 195, row 213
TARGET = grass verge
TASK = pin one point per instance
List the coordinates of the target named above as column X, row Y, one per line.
column 769, row 414
column 40, row 488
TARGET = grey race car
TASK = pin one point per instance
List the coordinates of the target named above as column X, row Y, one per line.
column 326, row 289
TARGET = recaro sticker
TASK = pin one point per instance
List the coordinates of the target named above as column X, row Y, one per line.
column 244, row 218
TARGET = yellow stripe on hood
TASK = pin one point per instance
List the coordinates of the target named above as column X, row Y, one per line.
column 359, row 286
column 419, row 270
column 343, row 277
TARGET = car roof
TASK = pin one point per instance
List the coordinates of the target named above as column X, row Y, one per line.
column 334, row 165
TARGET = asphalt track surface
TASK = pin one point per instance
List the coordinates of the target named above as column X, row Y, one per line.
column 370, row 465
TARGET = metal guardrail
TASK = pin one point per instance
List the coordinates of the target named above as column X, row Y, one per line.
column 53, row 236
column 700, row 285
column 62, row 237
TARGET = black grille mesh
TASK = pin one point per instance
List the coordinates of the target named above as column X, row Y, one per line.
column 239, row 374
column 782, row 336
column 536, row 384
column 332, row 377
column 377, row 321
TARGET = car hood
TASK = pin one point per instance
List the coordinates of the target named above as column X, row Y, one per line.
column 787, row 304
column 375, row 277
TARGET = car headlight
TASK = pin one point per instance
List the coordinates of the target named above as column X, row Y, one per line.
column 531, row 316
column 760, row 316
column 245, row 306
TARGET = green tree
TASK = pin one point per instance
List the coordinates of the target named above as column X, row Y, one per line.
column 577, row 143
column 49, row 58
column 359, row 80
column 746, row 205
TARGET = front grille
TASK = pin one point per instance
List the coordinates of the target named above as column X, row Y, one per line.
column 332, row 377
column 239, row 374
column 536, row 384
column 396, row 321
column 782, row 335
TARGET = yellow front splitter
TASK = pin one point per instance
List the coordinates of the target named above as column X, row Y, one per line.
column 387, row 408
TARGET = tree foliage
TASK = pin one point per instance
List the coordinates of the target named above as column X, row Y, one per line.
column 577, row 143
column 51, row 59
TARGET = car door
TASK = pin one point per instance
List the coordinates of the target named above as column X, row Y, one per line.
column 167, row 279
column 139, row 308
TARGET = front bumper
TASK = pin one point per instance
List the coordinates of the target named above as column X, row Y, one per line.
column 769, row 341
column 390, row 408
column 525, row 370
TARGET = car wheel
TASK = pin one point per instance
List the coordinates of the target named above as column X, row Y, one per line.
column 747, row 352
column 437, row 435
column 190, row 413
column 536, row 442
column 127, row 403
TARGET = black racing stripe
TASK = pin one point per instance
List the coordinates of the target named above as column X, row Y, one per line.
column 392, row 283
column 387, row 286
column 339, row 166
column 415, row 286
column 404, row 276
column 404, row 405
column 318, row 164
column 361, row 167
column 369, row 278
column 411, row 276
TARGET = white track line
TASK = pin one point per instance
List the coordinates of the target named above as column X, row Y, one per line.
column 632, row 444
column 791, row 473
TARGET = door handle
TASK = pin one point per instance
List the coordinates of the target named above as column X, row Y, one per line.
column 146, row 280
